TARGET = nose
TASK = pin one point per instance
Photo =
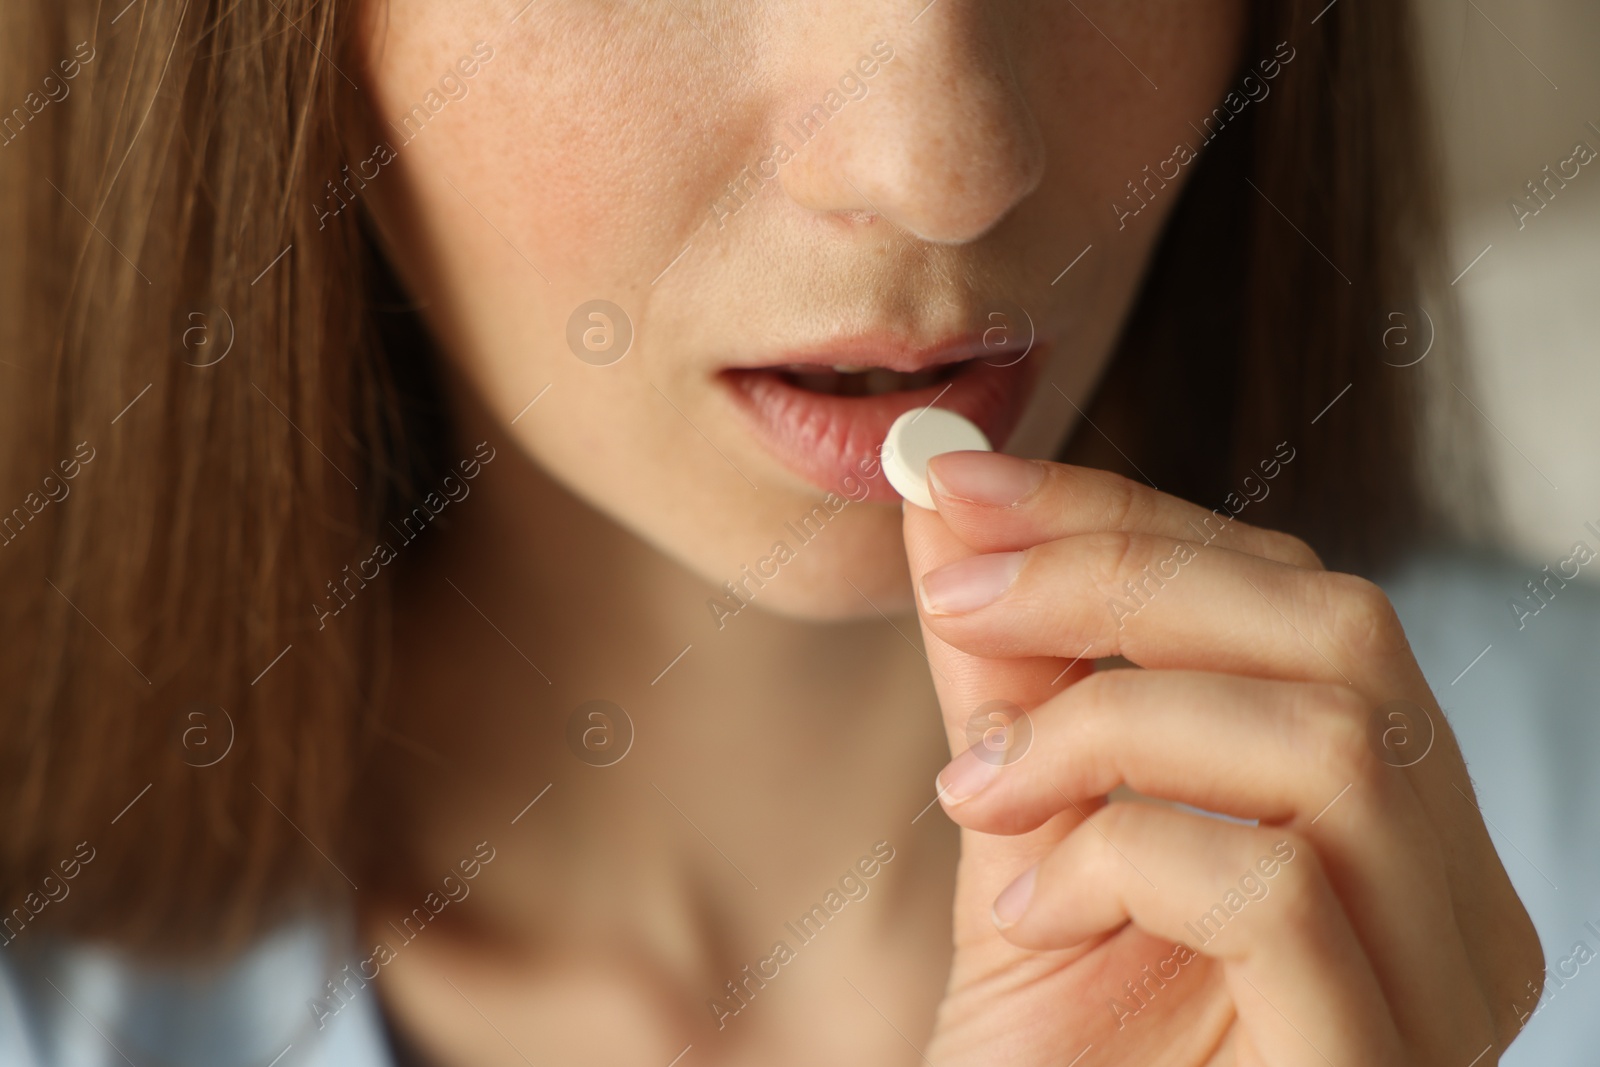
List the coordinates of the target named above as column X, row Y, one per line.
column 941, row 143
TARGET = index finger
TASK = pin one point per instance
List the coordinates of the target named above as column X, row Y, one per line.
column 999, row 503
column 966, row 682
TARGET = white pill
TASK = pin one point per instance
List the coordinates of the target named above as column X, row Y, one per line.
column 916, row 437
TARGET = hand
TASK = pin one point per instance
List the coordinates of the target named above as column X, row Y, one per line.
column 1365, row 922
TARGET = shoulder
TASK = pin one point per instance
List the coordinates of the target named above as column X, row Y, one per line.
column 70, row 1005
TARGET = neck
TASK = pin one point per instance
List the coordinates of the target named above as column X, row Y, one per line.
column 735, row 771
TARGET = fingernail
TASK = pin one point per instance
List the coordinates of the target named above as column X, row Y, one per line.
column 965, row 776
column 969, row 584
column 991, row 478
column 1013, row 899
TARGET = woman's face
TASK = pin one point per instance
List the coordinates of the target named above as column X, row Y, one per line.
column 963, row 195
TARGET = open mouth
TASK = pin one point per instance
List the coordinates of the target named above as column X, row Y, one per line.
column 843, row 380
column 826, row 421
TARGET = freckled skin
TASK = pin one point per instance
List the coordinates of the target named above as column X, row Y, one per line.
column 585, row 156
column 591, row 158
column 970, row 167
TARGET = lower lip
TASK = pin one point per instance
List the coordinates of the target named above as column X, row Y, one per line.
column 833, row 441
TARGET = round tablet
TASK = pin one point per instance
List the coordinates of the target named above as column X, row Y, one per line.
column 916, row 437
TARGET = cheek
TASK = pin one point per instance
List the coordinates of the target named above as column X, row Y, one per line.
column 575, row 170
column 567, row 174
column 588, row 139
column 582, row 161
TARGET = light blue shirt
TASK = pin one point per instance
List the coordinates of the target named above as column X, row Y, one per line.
column 1520, row 690
column 85, row 1007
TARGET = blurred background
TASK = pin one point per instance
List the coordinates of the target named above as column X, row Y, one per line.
column 1516, row 84
column 1516, row 87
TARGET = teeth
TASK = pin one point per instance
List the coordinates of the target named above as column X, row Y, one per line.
column 847, row 380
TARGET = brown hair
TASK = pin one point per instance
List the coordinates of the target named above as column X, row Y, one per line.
column 164, row 209
column 1296, row 282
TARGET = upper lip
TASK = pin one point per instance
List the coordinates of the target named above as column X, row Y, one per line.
column 888, row 351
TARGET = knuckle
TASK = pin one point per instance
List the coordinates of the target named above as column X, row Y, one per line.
column 1107, row 846
column 1097, row 705
column 1101, row 693
column 1335, row 717
column 1113, row 559
column 1337, row 710
column 1115, row 822
column 1274, row 544
column 1360, row 619
column 1292, row 550
column 1271, row 880
column 1299, row 881
column 1122, row 501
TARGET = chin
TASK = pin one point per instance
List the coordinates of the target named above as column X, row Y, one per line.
column 852, row 568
